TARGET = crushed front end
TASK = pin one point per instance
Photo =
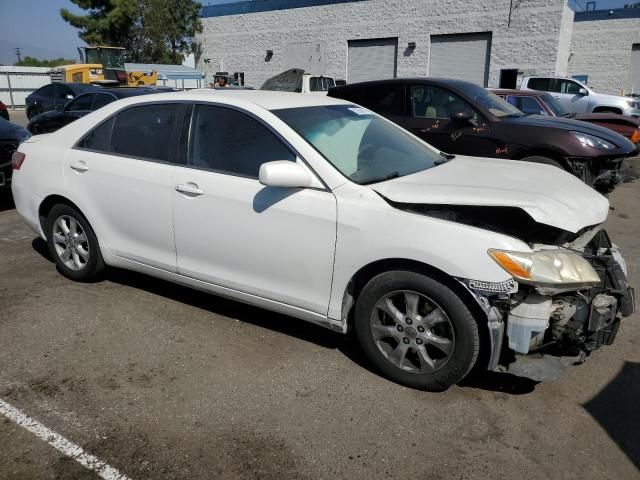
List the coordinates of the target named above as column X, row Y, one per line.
column 539, row 325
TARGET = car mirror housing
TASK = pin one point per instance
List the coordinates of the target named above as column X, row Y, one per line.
column 462, row 115
column 284, row 173
column 583, row 92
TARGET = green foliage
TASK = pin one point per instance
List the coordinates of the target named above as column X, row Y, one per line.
column 152, row 31
column 34, row 62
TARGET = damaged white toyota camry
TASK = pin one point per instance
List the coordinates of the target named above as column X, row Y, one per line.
column 325, row 211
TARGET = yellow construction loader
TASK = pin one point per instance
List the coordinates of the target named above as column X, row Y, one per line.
column 102, row 65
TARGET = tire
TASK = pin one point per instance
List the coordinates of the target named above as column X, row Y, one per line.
column 407, row 344
column 76, row 256
column 31, row 113
column 544, row 160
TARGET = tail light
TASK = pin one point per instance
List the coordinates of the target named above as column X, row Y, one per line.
column 17, row 159
column 635, row 136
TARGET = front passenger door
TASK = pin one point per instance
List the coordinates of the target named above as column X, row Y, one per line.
column 234, row 232
column 567, row 93
column 431, row 108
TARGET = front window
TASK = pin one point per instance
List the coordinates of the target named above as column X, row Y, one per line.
column 489, row 100
column 555, row 106
column 361, row 145
column 107, row 57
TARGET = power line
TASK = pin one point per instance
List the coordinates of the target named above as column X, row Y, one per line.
column 18, row 54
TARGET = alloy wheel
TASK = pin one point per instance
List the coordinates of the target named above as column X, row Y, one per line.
column 412, row 331
column 70, row 242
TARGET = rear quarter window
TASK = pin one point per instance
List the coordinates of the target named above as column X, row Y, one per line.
column 98, row 138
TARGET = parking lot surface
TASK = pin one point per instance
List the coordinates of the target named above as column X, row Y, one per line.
column 160, row 381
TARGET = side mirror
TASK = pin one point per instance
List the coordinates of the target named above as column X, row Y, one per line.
column 461, row 115
column 583, row 92
column 284, row 173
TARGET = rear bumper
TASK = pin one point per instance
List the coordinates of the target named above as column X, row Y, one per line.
column 27, row 205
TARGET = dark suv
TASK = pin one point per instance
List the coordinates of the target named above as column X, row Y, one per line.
column 463, row 118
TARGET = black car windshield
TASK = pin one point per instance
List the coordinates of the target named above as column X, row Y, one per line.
column 489, row 100
column 361, row 145
column 557, row 109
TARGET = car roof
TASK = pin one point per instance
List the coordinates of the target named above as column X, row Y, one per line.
column 451, row 82
column 268, row 100
column 124, row 92
column 513, row 91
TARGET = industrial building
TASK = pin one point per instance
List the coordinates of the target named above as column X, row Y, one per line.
column 492, row 43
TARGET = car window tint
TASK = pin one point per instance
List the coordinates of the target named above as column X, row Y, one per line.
column 529, row 106
column 229, row 141
column 539, row 83
column 62, row 92
column 145, row 131
column 98, row 138
column 569, row 87
column 437, row 103
column 47, row 91
column 102, row 99
column 383, row 99
column 80, row 103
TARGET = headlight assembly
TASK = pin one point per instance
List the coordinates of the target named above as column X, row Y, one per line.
column 547, row 267
column 593, row 142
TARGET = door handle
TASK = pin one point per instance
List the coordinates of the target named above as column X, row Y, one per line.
column 190, row 189
column 80, row 167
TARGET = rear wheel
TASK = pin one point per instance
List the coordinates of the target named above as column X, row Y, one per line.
column 416, row 330
column 73, row 244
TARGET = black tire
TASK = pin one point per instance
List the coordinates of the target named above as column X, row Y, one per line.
column 544, row 160
column 93, row 266
column 31, row 113
column 462, row 327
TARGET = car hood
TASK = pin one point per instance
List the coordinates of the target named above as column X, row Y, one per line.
column 550, row 196
column 569, row 124
column 608, row 117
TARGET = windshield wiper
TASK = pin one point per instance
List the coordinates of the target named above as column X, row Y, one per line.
column 382, row 179
column 446, row 156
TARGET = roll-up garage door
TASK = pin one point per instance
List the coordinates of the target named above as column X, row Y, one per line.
column 633, row 84
column 371, row 59
column 462, row 56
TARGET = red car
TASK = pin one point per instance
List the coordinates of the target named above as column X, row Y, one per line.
column 4, row 113
column 532, row 102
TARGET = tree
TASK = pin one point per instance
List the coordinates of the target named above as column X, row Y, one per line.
column 153, row 31
column 34, row 62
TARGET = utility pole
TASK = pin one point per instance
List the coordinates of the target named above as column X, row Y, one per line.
column 18, row 54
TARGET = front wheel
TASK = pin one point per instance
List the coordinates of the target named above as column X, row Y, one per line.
column 416, row 330
column 73, row 244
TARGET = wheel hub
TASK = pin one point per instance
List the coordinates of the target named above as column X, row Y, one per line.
column 411, row 332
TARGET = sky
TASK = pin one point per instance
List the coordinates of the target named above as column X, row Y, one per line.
column 36, row 27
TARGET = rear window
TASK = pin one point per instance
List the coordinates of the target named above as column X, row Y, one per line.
column 145, row 131
column 98, row 138
column 540, row 84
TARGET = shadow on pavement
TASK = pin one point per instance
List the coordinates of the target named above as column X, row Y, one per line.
column 617, row 409
column 346, row 344
column 6, row 201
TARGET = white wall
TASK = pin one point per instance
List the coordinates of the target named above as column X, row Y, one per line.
column 23, row 81
column 602, row 50
column 530, row 43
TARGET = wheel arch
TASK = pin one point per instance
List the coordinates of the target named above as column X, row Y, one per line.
column 49, row 202
column 360, row 278
column 543, row 152
column 604, row 108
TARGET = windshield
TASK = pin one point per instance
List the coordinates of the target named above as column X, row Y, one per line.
column 321, row 84
column 557, row 109
column 489, row 100
column 361, row 145
column 107, row 57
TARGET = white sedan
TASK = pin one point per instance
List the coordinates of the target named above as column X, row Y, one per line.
column 322, row 210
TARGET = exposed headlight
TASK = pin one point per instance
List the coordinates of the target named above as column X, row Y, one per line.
column 593, row 142
column 547, row 267
column 633, row 104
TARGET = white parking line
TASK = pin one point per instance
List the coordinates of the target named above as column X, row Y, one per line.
column 60, row 443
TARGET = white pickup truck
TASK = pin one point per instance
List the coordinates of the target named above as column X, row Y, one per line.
column 576, row 97
column 296, row 80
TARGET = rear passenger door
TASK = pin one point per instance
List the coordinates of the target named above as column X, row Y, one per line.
column 121, row 176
